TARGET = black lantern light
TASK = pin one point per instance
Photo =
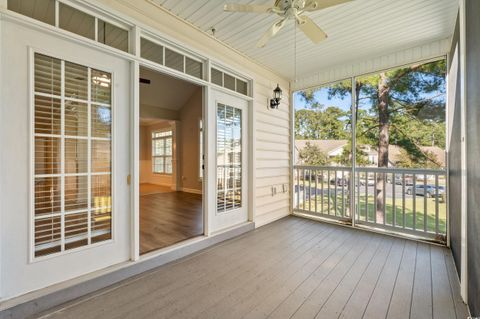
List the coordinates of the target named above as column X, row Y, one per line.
column 277, row 96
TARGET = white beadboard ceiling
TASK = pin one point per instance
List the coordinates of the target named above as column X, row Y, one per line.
column 361, row 29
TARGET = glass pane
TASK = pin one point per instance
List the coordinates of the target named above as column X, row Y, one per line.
column 168, row 146
column 158, row 165
column 229, row 82
column 76, row 230
column 229, row 158
column 173, row 60
column 76, row 193
column 242, row 87
column 76, row 84
column 76, row 21
column 47, row 195
column 47, row 75
column 76, row 118
column 47, row 155
column 158, row 147
column 193, row 67
column 168, row 165
column 217, row 77
column 401, row 124
column 101, row 156
column 101, row 222
column 101, row 87
column 48, row 115
column 101, row 121
column 48, row 234
column 101, row 192
column 76, row 156
column 151, row 51
column 41, row 10
column 112, row 35
column 323, row 138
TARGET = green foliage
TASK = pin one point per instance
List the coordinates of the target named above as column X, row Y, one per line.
column 423, row 160
column 345, row 158
column 320, row 124
column 312, row 155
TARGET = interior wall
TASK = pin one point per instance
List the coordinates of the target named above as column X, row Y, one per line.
column 190, row 114
column 454, row 148
column 472, row 67
column 146, row 171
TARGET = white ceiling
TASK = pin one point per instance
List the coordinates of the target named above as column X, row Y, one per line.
column 357, row 30
column 164, row 91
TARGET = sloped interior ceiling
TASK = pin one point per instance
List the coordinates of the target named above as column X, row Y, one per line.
column 357, row 30
column 164, row 91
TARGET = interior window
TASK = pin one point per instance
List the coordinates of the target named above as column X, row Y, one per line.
column 162, row 144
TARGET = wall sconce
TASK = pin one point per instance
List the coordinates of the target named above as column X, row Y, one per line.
column 277, row 96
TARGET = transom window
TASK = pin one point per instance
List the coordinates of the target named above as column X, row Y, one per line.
column 72, row 162
column 162, row 142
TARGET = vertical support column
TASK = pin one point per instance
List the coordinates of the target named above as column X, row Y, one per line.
column 135, row 162
column 209, row 172
column 463, row 98
column 353, row 207
column 134, row 48
column 252, row 185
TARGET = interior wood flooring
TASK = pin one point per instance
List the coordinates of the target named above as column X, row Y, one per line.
column 292, row 268
column 147, row 189
column 168, row 218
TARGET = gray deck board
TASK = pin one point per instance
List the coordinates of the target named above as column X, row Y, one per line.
column 293, row 268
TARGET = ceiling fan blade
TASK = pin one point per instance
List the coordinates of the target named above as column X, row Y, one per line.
column 311, row 29
column 312, row 5
column 234, row 7
column 271, row 33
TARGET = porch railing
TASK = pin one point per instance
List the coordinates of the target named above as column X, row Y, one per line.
column 405, row 201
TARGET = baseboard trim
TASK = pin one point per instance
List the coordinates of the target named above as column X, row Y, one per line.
column 192, row 191
column 39, row 301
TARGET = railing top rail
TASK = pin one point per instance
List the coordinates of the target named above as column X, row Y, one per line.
column 331, row 168
column 417, row 171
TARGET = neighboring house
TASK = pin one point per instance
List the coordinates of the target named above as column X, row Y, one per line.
column 333, row 148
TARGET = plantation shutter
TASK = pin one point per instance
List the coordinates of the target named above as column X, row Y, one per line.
column 72, row 162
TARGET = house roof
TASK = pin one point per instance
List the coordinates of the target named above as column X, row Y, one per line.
column 326, row 146
column 394, row 151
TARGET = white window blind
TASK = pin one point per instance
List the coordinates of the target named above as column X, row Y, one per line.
column 72, row 163
column 229, row 158
column 162, row 144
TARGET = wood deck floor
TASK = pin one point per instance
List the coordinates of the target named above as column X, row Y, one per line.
column 293, row 268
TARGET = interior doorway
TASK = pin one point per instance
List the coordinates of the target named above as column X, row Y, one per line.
column 171, row 160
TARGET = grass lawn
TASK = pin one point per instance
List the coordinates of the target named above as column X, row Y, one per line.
column 367, row 210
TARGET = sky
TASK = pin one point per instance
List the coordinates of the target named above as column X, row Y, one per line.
column 322, row 97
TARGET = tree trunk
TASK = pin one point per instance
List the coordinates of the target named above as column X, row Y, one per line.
column 383, row 143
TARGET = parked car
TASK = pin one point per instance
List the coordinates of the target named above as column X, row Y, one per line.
column 368, row 182
column 428, row 190
column 399, row 180
column 339, row 181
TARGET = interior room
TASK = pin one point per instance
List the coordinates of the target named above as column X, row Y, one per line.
column 170, row 160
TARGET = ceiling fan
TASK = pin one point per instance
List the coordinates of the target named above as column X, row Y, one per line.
column 287, row 10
